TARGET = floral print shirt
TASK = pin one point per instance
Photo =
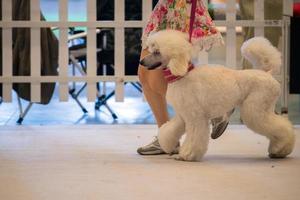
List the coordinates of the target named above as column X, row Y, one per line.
column 175, row 14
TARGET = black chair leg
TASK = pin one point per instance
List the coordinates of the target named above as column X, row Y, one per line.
column 75, row 95
column 102, row 101
column 22, row 114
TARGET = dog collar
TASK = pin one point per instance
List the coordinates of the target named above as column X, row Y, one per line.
column 172, row 78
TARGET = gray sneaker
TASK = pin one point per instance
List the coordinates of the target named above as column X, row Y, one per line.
column 154, row 149
column 220, row 124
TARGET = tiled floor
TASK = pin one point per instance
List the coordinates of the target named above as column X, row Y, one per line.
column 100, row 162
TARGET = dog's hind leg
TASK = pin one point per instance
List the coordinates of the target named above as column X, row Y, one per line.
column 195, row 144
column 170, row 134
column 258, row 114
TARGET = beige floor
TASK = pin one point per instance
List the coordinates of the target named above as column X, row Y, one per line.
column 99, row 162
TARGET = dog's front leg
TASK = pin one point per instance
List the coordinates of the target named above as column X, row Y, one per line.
column 170, row 134
column 195, row 144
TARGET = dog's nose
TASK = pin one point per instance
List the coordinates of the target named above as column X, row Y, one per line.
column 142, row 62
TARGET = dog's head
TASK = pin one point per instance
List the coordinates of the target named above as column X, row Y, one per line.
column 168, row 48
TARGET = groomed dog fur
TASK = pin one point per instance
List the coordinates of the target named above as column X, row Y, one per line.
column 208, row 92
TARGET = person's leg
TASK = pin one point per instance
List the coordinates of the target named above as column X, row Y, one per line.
column 247, row 13
column 273, row 11
column 154, row 88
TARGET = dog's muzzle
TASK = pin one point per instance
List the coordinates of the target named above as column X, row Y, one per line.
column 149, row 66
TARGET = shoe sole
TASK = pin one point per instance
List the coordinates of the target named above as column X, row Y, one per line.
column 219, row 131
column 150, row 153
column 157, row 152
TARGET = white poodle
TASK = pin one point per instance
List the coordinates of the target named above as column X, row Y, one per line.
column 207, row 92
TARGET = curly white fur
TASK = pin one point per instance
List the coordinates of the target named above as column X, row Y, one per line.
column 210, row 91
column 262, row 55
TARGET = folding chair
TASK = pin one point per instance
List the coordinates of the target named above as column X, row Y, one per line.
column 106, row 60
column 77, row 54
column 24, row 112
column 78, row 61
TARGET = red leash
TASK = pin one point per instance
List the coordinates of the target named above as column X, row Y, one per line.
column 167, row 73
column 192, row 18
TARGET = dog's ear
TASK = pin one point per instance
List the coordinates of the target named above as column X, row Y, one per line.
column 178, row 66
column 179, row 61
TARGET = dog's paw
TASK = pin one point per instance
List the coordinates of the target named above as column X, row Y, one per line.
column 178, row 158
column 278, row 153
column 186, row 153
column 281, row 148
column 187, row 159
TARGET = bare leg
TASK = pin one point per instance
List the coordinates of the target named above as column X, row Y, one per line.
column 154, row 88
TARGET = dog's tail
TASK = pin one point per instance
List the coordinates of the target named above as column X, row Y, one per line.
column 262, row 54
